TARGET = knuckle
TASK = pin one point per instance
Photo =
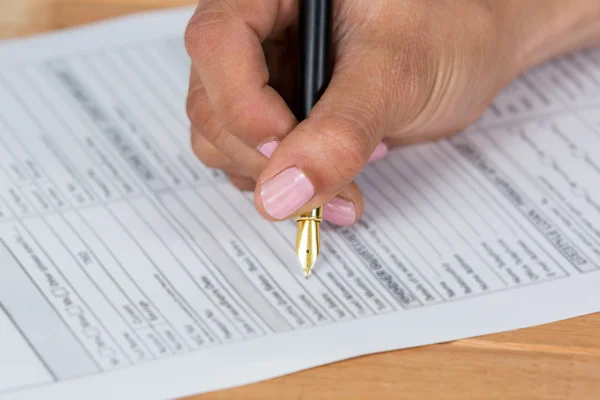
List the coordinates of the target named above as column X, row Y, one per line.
column 217, row 163
column 234, row 111
column 209, row 155
column 217, row 136
column 197, row 108
column 241, row 115
column 198, row 30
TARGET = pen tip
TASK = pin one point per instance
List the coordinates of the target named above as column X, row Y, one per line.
column 307, row 272
column 308, row 244
column 307, row 265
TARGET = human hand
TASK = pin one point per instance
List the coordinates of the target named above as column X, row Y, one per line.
column 405, row 72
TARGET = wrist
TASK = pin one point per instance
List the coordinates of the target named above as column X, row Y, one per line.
column 539, row 30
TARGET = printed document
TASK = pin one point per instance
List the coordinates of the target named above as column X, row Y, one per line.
column 130, row 270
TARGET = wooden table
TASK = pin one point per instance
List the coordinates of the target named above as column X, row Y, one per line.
column 556, row 361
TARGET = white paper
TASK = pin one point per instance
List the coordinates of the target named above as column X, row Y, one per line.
column 129, row 270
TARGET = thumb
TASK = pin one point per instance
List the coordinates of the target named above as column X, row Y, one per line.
column 325, row 152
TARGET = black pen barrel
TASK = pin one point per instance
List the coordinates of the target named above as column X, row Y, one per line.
column 316, row 53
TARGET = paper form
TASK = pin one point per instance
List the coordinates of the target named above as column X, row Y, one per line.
column 129, row 270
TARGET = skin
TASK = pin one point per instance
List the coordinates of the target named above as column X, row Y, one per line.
column 405, row 72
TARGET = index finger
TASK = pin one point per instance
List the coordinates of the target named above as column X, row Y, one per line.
column 224, row 41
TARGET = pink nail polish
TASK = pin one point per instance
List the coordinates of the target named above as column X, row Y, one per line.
column 380, row 152
column 339, row 211
column 268, row 148
column 285, row 193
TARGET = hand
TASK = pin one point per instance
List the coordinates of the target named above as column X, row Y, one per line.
column 405, row 71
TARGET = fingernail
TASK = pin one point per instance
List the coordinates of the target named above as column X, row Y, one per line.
column 380, row 152
column 285, row 193
column 268, row 148
column 339, row 211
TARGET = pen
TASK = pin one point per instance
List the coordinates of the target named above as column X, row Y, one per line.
column 314, row 72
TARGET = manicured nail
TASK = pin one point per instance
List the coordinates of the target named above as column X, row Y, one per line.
column 380, row 152
column 268, row 148
column 339, row 211
column 285, row 193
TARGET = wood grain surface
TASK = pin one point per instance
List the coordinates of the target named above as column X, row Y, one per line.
column 555, row 361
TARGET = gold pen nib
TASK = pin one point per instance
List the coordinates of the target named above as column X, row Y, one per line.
column 308, row 239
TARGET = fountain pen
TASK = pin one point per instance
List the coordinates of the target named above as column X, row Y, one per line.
column 314, row 72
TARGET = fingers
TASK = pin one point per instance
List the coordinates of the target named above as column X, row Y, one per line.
column 324, row 153
column 211, row 142
column 342, row 210
column 212, row 157
column 234, row 112
column 379, row 153
column 223, row 40
column 346, row 208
